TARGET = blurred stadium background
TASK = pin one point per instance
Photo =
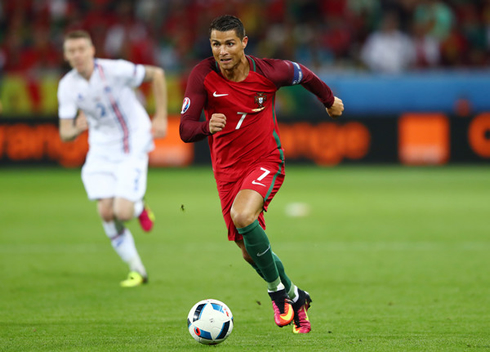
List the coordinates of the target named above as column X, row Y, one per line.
column 413, row 74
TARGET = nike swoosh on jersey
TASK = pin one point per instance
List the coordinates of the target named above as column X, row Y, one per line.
column 257, row 183
column 264, row 252
column 215, row 94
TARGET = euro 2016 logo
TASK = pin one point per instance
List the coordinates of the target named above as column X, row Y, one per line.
column 185, row 105
column 260, row 99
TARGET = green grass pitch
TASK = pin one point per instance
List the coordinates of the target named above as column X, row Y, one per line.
column 395, row 259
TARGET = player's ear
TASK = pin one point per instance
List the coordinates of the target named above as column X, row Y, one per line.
column 245, row 42
column 64, row 52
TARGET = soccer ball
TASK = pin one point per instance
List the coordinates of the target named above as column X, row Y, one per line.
column 210, row 321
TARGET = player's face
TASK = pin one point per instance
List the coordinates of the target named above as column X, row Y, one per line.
column 79, row 53
column 228, row 49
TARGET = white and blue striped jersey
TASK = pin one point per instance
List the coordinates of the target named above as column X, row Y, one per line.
column 118, row 123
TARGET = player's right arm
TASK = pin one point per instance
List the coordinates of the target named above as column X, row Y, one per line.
column 216, row 123
column 71, row 125
column 191, row 128
column 71, row 128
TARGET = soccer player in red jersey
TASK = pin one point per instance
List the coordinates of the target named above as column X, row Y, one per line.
column 237, row 93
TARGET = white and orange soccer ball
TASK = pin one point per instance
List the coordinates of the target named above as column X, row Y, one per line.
column 210, row 321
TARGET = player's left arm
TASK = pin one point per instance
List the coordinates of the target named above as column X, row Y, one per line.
column 336, row 109
column 156, row 75
column 333, row 105
column 288, row 73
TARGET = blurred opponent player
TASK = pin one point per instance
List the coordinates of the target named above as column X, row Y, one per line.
column 97, row 94
column 237, row 93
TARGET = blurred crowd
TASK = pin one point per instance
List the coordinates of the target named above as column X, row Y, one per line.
column 373, row 35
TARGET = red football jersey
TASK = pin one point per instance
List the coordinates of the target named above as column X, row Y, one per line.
column 251, row 132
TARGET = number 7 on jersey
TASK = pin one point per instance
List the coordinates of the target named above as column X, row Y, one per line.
column 241, row 119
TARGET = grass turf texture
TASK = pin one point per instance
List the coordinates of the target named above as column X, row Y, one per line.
column 396, row 259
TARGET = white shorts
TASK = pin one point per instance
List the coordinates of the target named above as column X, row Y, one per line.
column 124, row 178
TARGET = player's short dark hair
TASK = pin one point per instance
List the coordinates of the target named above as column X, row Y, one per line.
column 77, row 34
column 227, row 23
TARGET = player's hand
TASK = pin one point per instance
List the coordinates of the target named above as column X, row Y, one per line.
column 81, row 123
column 216, row 123
column 159, row 126
column 336, row 109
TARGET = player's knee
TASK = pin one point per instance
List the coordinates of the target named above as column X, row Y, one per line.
column 123, row 214
column 106, row 213
column 242, row 219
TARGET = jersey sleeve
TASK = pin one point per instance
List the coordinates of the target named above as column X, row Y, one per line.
column 131, row 74
column 191, row 128
column 288, row 73
column 67, row 107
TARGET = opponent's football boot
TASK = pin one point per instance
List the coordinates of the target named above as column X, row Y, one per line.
column 146, row 219
column 134, row 279
column 301, row 322
column 283, row 310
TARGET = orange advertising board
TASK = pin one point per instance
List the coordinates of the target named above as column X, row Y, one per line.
column 326, row 143
column 423, row 139
column 21, row 142
column 411, row 139
column 479, row 135
column 171, row 151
